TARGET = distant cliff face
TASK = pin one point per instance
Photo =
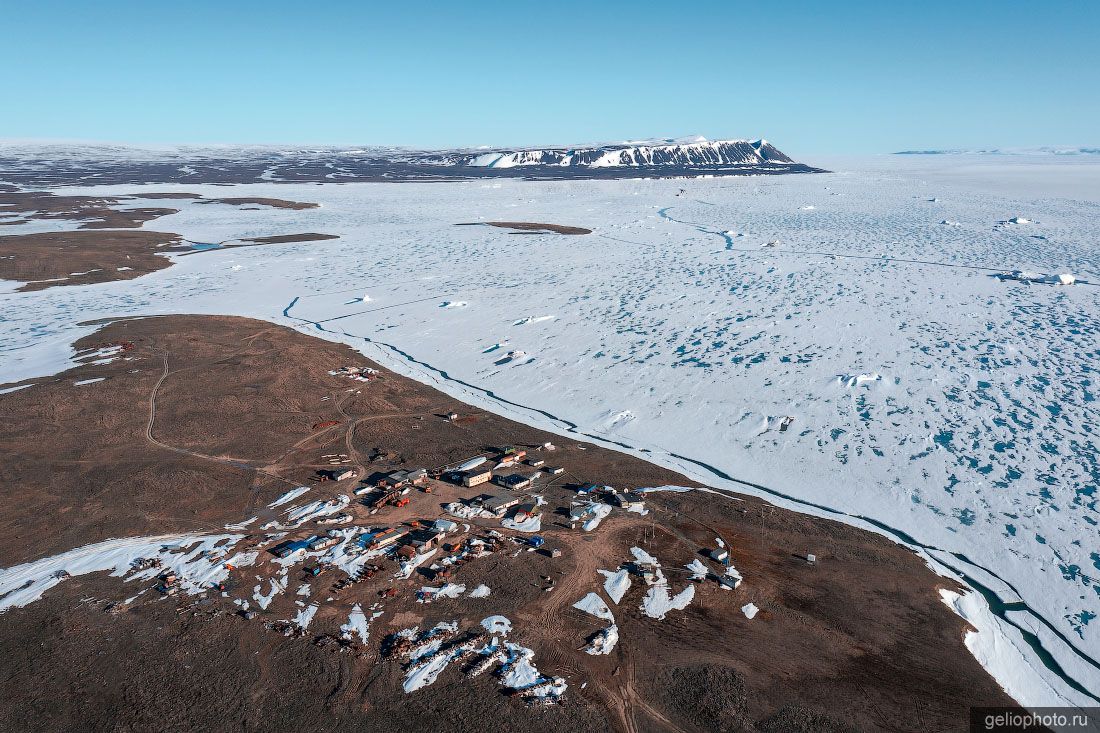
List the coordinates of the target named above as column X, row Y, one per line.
column 670, row 154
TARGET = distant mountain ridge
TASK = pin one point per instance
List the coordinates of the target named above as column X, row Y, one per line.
column 36, row 164
column 630, row 155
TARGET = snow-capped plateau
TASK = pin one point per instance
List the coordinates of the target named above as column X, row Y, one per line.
column 669, row 153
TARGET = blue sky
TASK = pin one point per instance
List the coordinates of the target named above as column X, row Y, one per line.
column 852, row 77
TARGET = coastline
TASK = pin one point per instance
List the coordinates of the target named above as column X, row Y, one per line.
column 814, row 608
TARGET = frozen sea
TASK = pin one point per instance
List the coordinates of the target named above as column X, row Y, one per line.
column 931, row 401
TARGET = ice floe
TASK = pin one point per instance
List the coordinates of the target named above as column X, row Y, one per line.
column 858, row 380
column 532, row 319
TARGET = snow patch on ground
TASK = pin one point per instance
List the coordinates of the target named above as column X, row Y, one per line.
column 616, row 583
column 604, row 641
column 698, row 569
column 642, row 557
column 409, row 566
column 528, row 525
column 305, row 615
column 277, row 586
column 731, row 572
column 289, row 496
column 197, row 559
column 594, row 605
column 520, row 673
column 658, row 602
column 317, row 509
column 422, row 675
column 356, row 624
column 497, row 625
column 673, row 489
column 428, row 594
column 596, row 513
column 465, row 511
